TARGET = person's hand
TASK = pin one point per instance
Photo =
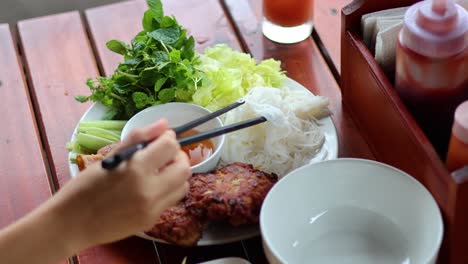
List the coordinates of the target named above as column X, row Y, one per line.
column 111, row 205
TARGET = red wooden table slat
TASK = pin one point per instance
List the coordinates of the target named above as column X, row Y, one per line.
column 327, row 23
column 24, row 183
column 131, row 250
column 58, row 60
column 122, row 21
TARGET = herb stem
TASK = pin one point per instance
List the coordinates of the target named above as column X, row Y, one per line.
column 128, row 74
column 117, row 97
column 164, row 46
column 143, row 88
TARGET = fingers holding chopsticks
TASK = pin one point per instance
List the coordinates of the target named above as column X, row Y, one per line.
column 142, row 134
column 162, row 157
column 131, row 197
column 175, row 175
column 156, row 142
column 161, row 151
column 166, row 171
column 180, row 166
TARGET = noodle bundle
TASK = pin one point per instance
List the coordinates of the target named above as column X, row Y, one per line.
column 290, row 138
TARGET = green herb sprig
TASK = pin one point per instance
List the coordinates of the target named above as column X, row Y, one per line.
column 159, row 66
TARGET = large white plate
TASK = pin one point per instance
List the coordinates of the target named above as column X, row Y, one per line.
column 216, row 234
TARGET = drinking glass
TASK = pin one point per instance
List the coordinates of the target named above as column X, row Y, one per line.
column 287, row 21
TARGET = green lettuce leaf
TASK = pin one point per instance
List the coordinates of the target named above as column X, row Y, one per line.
column 230, row 74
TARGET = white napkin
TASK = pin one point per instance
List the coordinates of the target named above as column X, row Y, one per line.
column 385, row 48
column 369, row 22
column 382, row 26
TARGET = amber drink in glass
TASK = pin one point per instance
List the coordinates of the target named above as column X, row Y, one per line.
column 287, row 21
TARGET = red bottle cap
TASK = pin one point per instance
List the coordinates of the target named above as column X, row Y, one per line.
column 435, row 28
column 460, row 124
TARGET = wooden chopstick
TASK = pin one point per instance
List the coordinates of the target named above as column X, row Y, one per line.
column 220, row 131
column 186, row 127
column 113, row 161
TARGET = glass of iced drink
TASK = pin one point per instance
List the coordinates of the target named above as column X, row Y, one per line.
column 287, row 21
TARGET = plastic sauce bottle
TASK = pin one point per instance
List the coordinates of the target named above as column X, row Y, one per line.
column 432, row 66
column 457, row 156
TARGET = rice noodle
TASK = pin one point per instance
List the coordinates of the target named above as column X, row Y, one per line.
column 290, row 138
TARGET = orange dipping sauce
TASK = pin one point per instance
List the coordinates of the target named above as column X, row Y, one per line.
column 288, row 13
column 197, row 152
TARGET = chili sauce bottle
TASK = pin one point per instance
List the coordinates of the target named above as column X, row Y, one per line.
column 432, row 66
column 457, row 156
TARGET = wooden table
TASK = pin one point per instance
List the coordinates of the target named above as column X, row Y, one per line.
column 48, row 62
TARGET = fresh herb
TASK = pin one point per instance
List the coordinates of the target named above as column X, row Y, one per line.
column 159, row 66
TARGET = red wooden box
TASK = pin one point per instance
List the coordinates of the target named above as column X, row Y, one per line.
column 393, row 134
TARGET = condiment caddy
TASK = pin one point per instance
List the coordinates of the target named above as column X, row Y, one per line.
column 392, row 131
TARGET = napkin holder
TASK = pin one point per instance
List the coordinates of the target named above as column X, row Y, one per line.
column 391, row 131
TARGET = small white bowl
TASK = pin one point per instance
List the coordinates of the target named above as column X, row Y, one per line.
column 178, row 114
column 350, row 211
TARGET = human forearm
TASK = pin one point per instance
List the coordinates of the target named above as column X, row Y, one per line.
column 40, row 237
column 100, row 206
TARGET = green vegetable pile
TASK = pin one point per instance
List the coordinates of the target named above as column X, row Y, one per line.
column 229, row 75
column 159, row 67
column 93, row 135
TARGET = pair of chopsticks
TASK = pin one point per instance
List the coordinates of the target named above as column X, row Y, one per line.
column 113, row 161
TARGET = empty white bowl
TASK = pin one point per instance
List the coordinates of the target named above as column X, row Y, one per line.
column 178, row 114
column 350, row 211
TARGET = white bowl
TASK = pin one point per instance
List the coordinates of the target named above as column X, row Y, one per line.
column 178, row 114
column 350, row 211
column 229, row 260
